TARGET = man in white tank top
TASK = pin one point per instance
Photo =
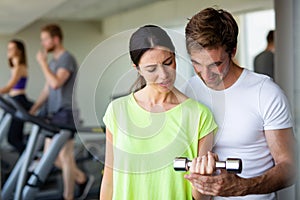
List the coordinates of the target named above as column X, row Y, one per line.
column 252, row 113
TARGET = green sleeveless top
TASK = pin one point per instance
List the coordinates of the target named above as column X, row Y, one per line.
column 146, row 143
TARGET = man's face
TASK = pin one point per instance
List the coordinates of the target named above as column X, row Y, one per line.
column 211, row 65
column 47, row 41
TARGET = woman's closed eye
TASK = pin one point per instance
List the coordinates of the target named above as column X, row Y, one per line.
column 169, row 62
column 151, row 69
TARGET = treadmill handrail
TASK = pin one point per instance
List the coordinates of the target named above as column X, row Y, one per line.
column 65, row 127
column 6, row 106
column 23, row 115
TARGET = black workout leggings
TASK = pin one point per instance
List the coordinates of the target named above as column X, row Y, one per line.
column 15, row 133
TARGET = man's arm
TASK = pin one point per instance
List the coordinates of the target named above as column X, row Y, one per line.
column 283, row 174
column 57, row 80
column 15, row 77
column 41, row 100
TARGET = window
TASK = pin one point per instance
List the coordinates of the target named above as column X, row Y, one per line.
column 254, row 28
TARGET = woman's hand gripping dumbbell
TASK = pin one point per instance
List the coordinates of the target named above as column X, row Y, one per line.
column 233, row 165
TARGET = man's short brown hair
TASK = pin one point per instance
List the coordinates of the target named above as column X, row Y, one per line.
column 211, row 28
column 53, row 30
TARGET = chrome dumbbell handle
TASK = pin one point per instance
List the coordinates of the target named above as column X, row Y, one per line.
column 231, row 164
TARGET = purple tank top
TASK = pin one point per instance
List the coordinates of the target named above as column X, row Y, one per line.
column 21, row 84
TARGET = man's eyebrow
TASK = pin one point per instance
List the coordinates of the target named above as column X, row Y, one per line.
column 217, row 63
column 194, row 61
column 209, row 65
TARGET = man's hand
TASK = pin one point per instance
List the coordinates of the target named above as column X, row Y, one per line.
column 224, row 184
column 32, row 111
column 203, row 177
column 41, row 57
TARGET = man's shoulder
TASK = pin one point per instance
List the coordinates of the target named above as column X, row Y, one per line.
column 254, row 77
column 194, row 81
column 192, row 85
column 67, row 55
column 67, row 61
column 264, row 55
column 261, row 82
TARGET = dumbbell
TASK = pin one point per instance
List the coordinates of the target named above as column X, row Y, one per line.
column 233, row 165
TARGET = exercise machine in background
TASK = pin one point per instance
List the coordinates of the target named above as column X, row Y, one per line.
column 27, row 182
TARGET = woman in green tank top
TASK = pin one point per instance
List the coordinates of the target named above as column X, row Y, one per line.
column 147, row 129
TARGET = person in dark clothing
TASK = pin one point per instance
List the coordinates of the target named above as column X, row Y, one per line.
column 264, row 61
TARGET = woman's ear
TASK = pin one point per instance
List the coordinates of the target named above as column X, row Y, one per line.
column 136, row 67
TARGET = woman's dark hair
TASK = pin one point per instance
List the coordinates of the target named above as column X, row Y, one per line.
column 145, row 38
column 21, row 48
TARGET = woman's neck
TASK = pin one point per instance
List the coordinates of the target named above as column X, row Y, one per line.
column 155, row 101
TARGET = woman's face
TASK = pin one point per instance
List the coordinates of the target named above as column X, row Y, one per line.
column 158, row 67
column 12, row 50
